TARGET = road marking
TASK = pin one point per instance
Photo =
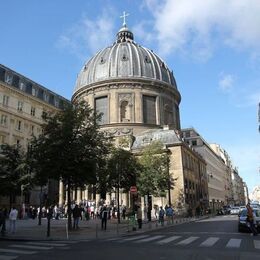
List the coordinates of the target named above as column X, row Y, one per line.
column 32, row 247
column 7, row 257
column 24, row 252
column 257, row 244
column 233, row 243
column 209, row 242
column 45, row 244
column 168, row 240
column 148, row 239
column 133, row 238
column 187, row 241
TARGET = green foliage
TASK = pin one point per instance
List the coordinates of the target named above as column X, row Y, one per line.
column 122, row 169
column 154, row 177
column 13, row 170
column 70, row 146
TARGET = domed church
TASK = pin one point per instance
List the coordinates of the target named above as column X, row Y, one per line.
column 131, row 86
column 137, row 95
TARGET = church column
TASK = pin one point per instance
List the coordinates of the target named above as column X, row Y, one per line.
column 78, row 195
column 138, row 107
column 61, row 193
column 157, row 107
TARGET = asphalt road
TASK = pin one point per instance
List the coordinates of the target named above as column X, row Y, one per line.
column 215, row 238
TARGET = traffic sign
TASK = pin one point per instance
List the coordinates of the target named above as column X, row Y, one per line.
column 133, row 189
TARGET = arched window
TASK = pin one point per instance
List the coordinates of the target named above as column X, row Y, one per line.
column 124, row 111
column 149, row 109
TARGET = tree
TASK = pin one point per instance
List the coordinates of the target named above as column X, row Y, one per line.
column 70, row 146
column 122, row 171
column 13, row 171
column 154, row 177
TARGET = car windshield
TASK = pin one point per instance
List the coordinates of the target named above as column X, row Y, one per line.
column 244, row 212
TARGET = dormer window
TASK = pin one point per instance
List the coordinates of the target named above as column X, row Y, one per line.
column 22, row 86
column 102, row 60
column 147, row 60
column 34, row 91
column 124, row 57
column 8, row 79
column 46, row 97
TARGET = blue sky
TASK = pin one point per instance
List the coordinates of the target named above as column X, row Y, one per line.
column 211, row 46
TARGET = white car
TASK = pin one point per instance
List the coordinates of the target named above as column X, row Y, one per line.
column 234, row 210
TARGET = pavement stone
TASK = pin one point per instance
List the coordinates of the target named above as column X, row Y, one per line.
column 28, row 229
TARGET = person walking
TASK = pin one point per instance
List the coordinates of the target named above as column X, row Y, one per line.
column 2, row 220
column 139, row 217
column 12, row 218
column 104, row 216
column 76, row 212
column 251, row 219
column 169, row 215
column 161, row 216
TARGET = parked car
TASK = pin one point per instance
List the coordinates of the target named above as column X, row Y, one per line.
column 242, row 223
column 234, row 211
column 241, row 208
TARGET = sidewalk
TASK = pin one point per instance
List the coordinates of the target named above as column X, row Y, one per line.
column 28, row 229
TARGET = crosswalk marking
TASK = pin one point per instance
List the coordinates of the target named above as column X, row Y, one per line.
column 7, row 257
column 257, row 244
column 209, row 242
column 23, row 252
column 133, row 238
column 187, row 241
column 32, row 247
column 148, row 239
column 45, row 244
column 168, row 240
column 233, row 243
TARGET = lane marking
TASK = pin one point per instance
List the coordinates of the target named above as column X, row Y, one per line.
column 7, row 257
column 45, row 244
column 148, row 239
column 133, row 238
column 233, row 243
column 32, row 247
column 257, row 244
column 168, row 240
column 24, row 252
column 187, row 241
column 209, row 242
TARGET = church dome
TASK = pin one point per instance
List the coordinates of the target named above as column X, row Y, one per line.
column 125, row 59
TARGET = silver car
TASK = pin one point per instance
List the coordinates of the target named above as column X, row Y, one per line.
column 234, row 210
column 243, row 224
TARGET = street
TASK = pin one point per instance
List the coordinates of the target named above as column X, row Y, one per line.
column 214, row 238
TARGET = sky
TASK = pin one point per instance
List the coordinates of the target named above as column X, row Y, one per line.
column 212, row 46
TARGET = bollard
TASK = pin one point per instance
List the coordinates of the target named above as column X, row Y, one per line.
column 117, row 228
column 96, row 231
column 67, row 231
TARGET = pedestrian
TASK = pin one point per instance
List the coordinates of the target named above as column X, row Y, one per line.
column 169, row 215
column 2, row 220
column 161, row 216
column 251, row 219
column 12, row 218
column 76, row 213
column 104, row 216
column 139, row 217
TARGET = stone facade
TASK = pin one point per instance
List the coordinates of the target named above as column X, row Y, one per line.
column 22, row 103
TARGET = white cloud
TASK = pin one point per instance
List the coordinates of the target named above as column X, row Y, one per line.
column 88, row 36
column 197, row 23
column 226, row 82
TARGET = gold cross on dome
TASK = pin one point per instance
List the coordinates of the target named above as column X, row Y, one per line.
column 124, row 16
